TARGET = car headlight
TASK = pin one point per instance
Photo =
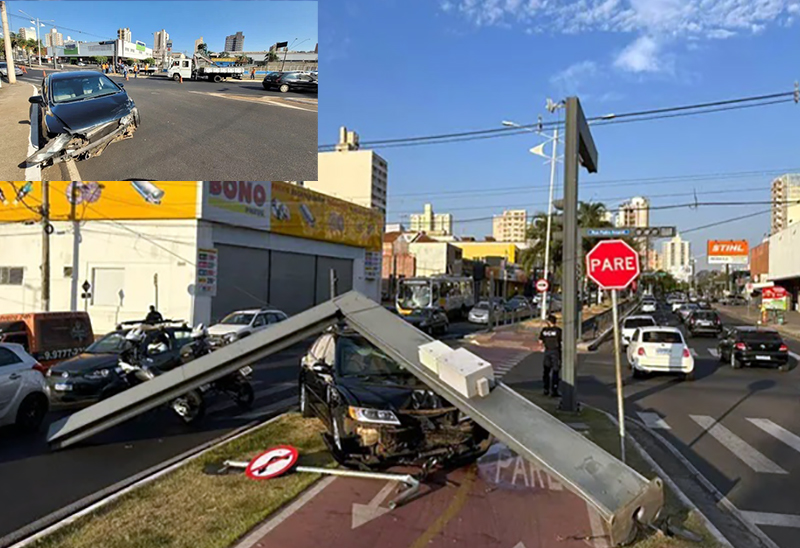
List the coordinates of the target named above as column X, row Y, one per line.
column 374, row 416
column 99, row 374
column 230, row 337
column 53, row 147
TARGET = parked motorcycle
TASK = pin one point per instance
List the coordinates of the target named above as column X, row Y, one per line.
column 137, row 369
column 235, row 385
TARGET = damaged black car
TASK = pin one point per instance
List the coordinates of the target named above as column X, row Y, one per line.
column 80, row 114
column 378, row 414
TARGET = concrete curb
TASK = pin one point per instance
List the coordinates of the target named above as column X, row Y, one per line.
column 664, row 476
column 53, row 522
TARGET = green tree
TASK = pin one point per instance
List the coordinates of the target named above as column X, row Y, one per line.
column 203, row 48
column 149, row 61
column 271, row 57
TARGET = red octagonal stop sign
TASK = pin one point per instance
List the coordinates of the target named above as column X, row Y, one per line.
column 612, row 264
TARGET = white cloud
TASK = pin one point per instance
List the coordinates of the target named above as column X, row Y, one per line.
column 720, row 34
column 642, row 55
column 569, row 80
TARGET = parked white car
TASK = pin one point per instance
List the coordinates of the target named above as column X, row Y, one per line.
column 243, row 323
column 24, row 394
column 632, row 323
column 660, row 349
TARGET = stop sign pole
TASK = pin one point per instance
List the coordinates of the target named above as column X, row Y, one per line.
column 614, row 265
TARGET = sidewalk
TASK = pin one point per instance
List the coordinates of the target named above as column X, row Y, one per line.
column 15, row 128
column 791, row 327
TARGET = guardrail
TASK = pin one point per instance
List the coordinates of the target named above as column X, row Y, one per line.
column 621, row 496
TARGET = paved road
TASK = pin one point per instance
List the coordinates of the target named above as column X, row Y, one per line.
column 740, row 428
column 206, row 131
column 53, row 480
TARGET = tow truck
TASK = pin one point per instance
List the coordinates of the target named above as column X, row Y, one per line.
column 200, row 67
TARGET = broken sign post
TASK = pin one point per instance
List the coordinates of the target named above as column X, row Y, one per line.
column 613, row 264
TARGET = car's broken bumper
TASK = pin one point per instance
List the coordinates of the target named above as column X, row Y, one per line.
column 84, row 144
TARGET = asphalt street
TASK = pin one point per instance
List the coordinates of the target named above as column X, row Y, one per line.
column 739, row 427
column 205, row 131
column 55, row 479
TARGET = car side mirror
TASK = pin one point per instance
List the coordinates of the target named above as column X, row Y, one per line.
column 320, row 367
column 120, row 84
column 35, row 99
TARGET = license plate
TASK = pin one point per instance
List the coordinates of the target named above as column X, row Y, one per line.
column 763, row 358
column 663, row 351
column 63, row 387
column 704, row 324
column 246, row 370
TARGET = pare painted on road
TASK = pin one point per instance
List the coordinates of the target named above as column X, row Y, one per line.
column 503, row 468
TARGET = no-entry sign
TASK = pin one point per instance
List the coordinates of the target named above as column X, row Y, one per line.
column 272, row 462
column 612, row 264
column 542, row 285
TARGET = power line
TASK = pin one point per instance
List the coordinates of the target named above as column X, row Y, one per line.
column 643, row 115
column 63, row 27
column 732, row 219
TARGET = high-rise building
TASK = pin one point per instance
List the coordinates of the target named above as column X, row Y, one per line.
column 160, row 40
column 27, row 33
column 510, row 226
column 785, row 202
column 436, row 224
column 358, row 176
column 234, row 42
column 54, row 38
column 197, row 43
column 677, row 258
column 124, row 35
column 634, row 212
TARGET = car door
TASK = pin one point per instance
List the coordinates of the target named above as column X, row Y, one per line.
column 11, row 379
column 631, row 350
column 260, row 322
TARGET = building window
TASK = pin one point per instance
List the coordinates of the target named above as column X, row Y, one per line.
column 11, row 275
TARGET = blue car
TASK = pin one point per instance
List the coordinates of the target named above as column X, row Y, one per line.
column 80, row 114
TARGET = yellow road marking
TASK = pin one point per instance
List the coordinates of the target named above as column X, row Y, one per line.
column 452, row 510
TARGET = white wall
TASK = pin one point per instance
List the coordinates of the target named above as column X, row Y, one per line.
column 166, row 248
column 784, row 259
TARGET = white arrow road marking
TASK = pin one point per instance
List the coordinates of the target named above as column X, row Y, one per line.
column 779, row 432
column 653, row 420
column 780, row 520
column 693, row 351
column 736, row 445
column 364, row 513
column 714, row 352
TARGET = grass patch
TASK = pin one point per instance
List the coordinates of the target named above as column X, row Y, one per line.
column 605, row 434
column 189, row 509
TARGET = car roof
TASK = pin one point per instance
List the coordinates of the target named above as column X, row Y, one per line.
column 660, row 328
column 754, row 329
column 641, row 317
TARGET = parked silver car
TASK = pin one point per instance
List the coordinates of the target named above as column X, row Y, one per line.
column 4, row 69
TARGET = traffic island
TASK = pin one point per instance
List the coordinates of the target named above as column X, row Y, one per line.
column 15, row 127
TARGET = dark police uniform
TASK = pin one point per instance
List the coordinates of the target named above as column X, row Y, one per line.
column 551, row 338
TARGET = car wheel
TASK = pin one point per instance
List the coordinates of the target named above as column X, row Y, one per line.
column 217, row 78
column 176, row 77
column 284, row 88
column 688, row 376
column 31, row 412
column 734, row 362
column 637, row 373
column 305, row 410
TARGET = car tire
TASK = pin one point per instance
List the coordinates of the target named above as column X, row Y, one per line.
column 244, row 396
column 305, row 410
column 637, row 374
column 688, row 376
column 284, row 88
column 217, row 78
column 31, row 412
column 176, row 77
column 735, row 364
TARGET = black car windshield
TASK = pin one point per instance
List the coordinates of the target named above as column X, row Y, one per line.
column 112, row 343
column 79, row 88
column 704, row 315
column 357, row 357
column 661, row 337
column 237, row 318
column 638, row 322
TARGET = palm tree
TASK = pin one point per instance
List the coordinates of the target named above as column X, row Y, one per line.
column 203, row 48
column 270, row 57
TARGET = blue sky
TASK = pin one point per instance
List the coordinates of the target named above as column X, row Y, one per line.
column 262, row 22
column 417, row 67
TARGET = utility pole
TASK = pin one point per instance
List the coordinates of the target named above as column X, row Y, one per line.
column 47, row 228
column 12, row 78
column 76, row 245
column 553, row 159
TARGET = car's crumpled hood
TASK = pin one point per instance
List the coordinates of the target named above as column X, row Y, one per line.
column 82, row 115
column 393, row 393
column 86, row 362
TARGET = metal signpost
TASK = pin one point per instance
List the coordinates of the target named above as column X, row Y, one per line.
column 613, row 264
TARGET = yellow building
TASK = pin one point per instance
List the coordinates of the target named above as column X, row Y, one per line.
column 478, row 251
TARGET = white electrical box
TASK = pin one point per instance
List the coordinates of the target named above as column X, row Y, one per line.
column 430, row 354
column 466, row 373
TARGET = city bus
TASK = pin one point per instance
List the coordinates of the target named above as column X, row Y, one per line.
column 454, row 294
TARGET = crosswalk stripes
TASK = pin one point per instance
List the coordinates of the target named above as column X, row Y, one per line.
column 736, row 445
column 653, row 420
column 777, row 431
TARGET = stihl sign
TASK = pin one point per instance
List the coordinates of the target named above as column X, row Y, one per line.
column 728, row 251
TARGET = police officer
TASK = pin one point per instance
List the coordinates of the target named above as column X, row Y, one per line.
column 550, row 337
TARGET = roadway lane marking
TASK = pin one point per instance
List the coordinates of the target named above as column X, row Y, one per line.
column 33, row 173
column 653, row 420
column 778, row 520
column 795, row 356
column 714, row 352
column 693, row 351
column 779, row 432
column 256, row 99
column 736, row 445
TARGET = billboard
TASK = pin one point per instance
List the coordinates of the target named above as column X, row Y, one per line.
column 71, row 49
column 238, row 203
column 99, row 200
column 298, row 211
column 728, row 252
column 140, row 46
column 100, row 48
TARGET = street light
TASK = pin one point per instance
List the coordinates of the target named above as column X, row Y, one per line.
column 37, row 24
